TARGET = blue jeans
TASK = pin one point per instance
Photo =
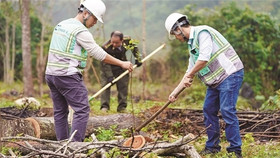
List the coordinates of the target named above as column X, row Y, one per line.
column 223, row 98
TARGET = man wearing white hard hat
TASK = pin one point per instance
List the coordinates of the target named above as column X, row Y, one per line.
column 218, row 66
column 70, row 45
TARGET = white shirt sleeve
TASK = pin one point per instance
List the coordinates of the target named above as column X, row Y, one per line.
column 205, row 46
column 190, row 66
column 85, row 40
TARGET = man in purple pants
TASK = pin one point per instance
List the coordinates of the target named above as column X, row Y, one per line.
column 71, row 42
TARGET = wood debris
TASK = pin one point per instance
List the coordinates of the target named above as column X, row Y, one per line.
column 31, row 146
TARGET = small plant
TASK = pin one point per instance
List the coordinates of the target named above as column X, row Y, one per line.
column 259, row 150
column 91, row 151
column 106, row 134
column 116, row 152
column 89, row 139
column 177, row 124
column 151, row 155
column 273, row 103
column 165, row 135
column 150, row 127
column 5, row 103
column 125, row 133
column 5, row 150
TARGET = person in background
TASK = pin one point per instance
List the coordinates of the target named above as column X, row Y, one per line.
column 218, row 66
column 70, row 44
column 117, row 46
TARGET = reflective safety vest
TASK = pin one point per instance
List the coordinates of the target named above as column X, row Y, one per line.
column 65, row 56
column 222, row 63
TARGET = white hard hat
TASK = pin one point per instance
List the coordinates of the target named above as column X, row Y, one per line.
column 171, row 20
column 96, row 7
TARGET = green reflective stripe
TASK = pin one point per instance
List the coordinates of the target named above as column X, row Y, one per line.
column 73, row 56
column 216, row 42
column 81, row 70
column 218, row 71
column 218, row 53
column 72, row 35
column 234, row 57
column 214, row 74
column 217, row 39
column 57, row 65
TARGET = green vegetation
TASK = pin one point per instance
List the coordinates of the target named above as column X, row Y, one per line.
column 250, row 148
column 116, row 152
column 250, row 33
column 273, row 103
column 253, row 32
column 5, row 151
column 5, row 103
column 187, row 99
column 105, row 134
column 249, row 29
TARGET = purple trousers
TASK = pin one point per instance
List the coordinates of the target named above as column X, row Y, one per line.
column 69, row 90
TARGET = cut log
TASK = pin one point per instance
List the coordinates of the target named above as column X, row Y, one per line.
column 16, row 127
column 123, row 121
column 46, row 128
column 19, row 145
column 43, row 127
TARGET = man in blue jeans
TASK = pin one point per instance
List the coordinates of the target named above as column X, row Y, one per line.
column 216, row 63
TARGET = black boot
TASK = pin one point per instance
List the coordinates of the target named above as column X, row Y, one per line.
column 207, row 151
column 238, row 154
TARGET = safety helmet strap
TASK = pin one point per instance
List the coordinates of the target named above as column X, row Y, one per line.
column 178, row 25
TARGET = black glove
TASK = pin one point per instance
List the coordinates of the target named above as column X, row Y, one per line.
column 110, row 79
column 138, row 63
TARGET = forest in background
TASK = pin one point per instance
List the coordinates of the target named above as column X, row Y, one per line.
column 252, row 27
column 126, row 15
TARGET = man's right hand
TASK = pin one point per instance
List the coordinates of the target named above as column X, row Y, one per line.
column 127, row 65
column 172, row 98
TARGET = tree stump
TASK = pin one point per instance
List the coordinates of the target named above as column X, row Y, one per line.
column 16, row 127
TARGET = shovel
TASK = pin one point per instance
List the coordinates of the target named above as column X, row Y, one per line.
column 124, row 73
column 157, row 113
column 115, row 80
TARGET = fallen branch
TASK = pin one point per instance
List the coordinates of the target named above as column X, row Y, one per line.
column 161, row 148
column 249, row 121
column 66, row 144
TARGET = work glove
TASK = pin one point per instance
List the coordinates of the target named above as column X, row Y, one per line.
column 138, row 63
column 110, row 79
